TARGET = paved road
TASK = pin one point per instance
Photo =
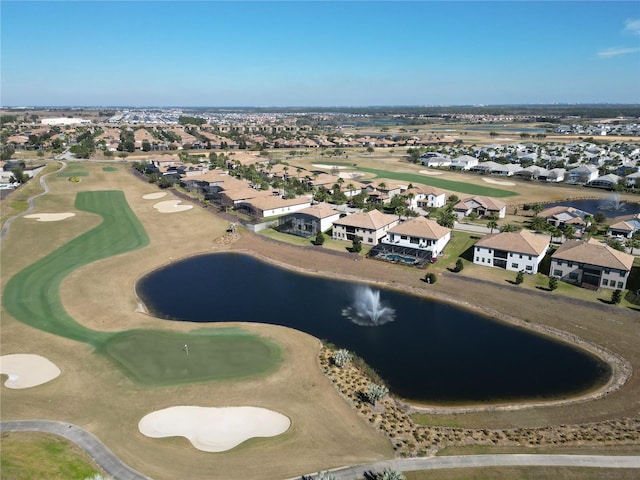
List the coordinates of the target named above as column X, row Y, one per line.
column 85, row 440
column 119, row 471
column 467, row 461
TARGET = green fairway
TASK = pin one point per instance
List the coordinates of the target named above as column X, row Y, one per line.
column 161, row 358
column 452, row 185
column 32, row 297
column 109, row 169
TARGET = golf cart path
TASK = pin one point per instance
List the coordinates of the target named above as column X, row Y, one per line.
column 31, row 200
column 119, row 471
column 97, row 450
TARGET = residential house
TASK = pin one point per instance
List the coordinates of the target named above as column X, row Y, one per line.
column 272, row 205
column 371, row 226
column 464, row 162
column 516, row 251
column 235, row 196
column 556, row 175
column 433, row 159
column 563, row 215
column 424, row 196
column 532, row 172
column 608, row 181
column 419, row 233
column 482, row 206
column 309, row 221
column 582, row 174
column 625, row 226
column 632, row 180
column 591, row 264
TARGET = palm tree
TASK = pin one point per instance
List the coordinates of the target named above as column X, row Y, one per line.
column 492, row 224
column 388, row 474
column 351, row 187
column 569, row 231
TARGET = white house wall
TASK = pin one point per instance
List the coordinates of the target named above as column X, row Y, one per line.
column 514, row 262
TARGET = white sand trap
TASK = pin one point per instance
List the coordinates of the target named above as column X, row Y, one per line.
column 430, row 172
column 350, row 175
column 154, row 196
column 50, row 217
column 214, row 429
column 27, row 370
column 496, row 182
column 321, row 165
column 171, row 206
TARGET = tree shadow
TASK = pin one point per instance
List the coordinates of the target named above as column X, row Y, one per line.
column 606, row 301
column 544, row 289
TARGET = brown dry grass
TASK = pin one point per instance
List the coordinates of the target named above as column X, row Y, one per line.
column 94, row 395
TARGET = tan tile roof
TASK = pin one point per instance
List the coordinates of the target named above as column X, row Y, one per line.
column 486, row 202
column 421, row 227
column 523, row 241
column 272, row 201
column 593, row 252
column 245, row 193
column 320, row 210
column 426, row 190
column 373, row 220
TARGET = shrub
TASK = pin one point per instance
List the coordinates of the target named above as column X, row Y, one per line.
column 430, row 278
column 553, row 283
column 319, row 239
column 616, row 296
column 342, row 357
column 376, row 392
column 519, row 278
column 459, row 265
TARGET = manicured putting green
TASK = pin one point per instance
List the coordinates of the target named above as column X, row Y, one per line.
column 109, row 169
column 155, row 357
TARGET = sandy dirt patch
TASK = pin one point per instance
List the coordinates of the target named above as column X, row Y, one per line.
column 497, row 182
column 171, row 206
column 214, row 429
column 154, row 196
column 26, row 370
column 430, row 172
column 321, row 165
column 50, row 217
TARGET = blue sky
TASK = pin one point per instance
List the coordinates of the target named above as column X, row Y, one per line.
column 306, row 53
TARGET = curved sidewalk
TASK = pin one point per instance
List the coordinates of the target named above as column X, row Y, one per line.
column 85, row 440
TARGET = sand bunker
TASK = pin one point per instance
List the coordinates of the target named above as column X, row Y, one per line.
column 430, row 172
column 496, row 182
column 50, row 217
column 214, row 429
column 154, row 196
column 171, row 206
column 321, row 165
column 27, row 370
column 350, row 175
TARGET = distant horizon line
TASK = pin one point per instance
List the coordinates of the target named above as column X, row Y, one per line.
column 307, row 107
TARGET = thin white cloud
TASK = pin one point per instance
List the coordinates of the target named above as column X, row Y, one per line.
column 617, row 51
column 633, row 26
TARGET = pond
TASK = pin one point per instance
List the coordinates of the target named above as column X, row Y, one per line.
column 611, row 206
column 426, row 351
